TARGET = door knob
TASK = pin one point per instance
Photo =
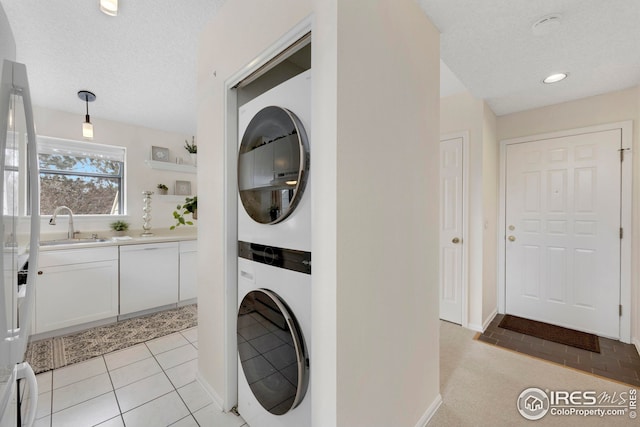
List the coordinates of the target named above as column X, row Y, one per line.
column 512, row 238
column 455, row 240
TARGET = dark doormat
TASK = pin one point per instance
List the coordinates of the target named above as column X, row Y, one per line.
column 553, row 333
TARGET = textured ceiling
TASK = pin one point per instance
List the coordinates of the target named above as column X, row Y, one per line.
column 142, row 63
column 491, row 48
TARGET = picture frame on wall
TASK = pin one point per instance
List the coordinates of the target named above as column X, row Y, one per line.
column 183, row 188
column 159, row 154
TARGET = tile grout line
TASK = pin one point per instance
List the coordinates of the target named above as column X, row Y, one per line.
column 115, row 395
column 109, row 372
column 53, row 389
column 171, row 382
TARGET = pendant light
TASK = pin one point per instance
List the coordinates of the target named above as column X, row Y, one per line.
column 87, row 127
column 109, row 7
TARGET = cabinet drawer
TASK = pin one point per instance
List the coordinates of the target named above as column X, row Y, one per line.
column 76, row 256
column 147, row 247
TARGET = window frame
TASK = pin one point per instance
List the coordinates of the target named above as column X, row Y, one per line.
column 59, row 146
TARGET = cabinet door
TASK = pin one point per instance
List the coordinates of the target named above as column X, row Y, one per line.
column 188, row 269
column 263, row 172
column 148, row 276
column 72, row 294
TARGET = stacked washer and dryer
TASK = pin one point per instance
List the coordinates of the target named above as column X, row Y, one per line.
column 274, row 256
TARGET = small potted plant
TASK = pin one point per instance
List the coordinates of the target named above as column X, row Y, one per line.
column 162, row 189
column 192, row 149
column 190, row 206
column 119, row 228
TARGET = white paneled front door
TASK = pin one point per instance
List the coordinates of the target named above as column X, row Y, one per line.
column 562, row 212
column 451, row 229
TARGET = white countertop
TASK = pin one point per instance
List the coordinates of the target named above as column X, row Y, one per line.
column 158, row 237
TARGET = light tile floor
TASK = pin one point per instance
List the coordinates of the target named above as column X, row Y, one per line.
column 149, row 385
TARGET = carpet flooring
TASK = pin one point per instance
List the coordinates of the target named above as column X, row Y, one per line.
column 480, row 384
column 549, row 332
column 44, row 355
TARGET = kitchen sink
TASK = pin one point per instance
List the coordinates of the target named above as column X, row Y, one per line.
column 73, row 241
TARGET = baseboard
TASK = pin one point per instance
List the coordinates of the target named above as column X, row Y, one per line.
column 481, row 328
column 210, row 391
column 72, row 329
column 431, row 410
column 489, row 319
column 636, row 342
column 147, row 311
column 475, row 327
column 187, row 302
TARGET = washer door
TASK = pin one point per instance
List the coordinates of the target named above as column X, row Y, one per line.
column 272, row 352
column 273, row 165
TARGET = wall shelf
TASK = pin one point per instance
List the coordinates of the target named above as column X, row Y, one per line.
column 170, row 198
column 175, row 167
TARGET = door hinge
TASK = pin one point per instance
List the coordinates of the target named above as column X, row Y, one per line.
column 621, row 233
column 620, row 310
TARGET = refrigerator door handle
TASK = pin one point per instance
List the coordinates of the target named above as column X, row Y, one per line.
column 25, row 371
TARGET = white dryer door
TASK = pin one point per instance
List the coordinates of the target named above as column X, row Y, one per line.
column 273, row 165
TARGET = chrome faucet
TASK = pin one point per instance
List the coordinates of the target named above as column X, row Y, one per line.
column 71, row 233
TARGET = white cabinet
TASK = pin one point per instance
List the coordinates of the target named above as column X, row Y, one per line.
column 188, row 264
column 76, row 286
column 148, row 276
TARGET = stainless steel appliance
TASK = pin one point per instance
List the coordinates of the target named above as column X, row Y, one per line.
column 19, row 226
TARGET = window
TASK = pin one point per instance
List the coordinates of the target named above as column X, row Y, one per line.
column 86, row 177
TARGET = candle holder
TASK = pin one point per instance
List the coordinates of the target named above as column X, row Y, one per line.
column 146, row 226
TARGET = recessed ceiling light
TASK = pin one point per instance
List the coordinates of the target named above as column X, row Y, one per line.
column 555, row 78
column 110, row 7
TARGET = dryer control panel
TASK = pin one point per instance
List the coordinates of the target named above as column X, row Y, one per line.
column 289, row 259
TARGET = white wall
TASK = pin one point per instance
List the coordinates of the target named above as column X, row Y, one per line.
column 7, row 42
column 490, row 172
column 375, row 217
column 376, row 120
column 464, row 112
column 608, row 108
column 635, row 245
column 635, row 290
column 138, row 177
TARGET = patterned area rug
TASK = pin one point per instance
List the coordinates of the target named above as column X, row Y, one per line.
column 52, row 353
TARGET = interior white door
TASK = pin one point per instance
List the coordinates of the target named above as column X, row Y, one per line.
column 563, row 231
column 451, row 228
